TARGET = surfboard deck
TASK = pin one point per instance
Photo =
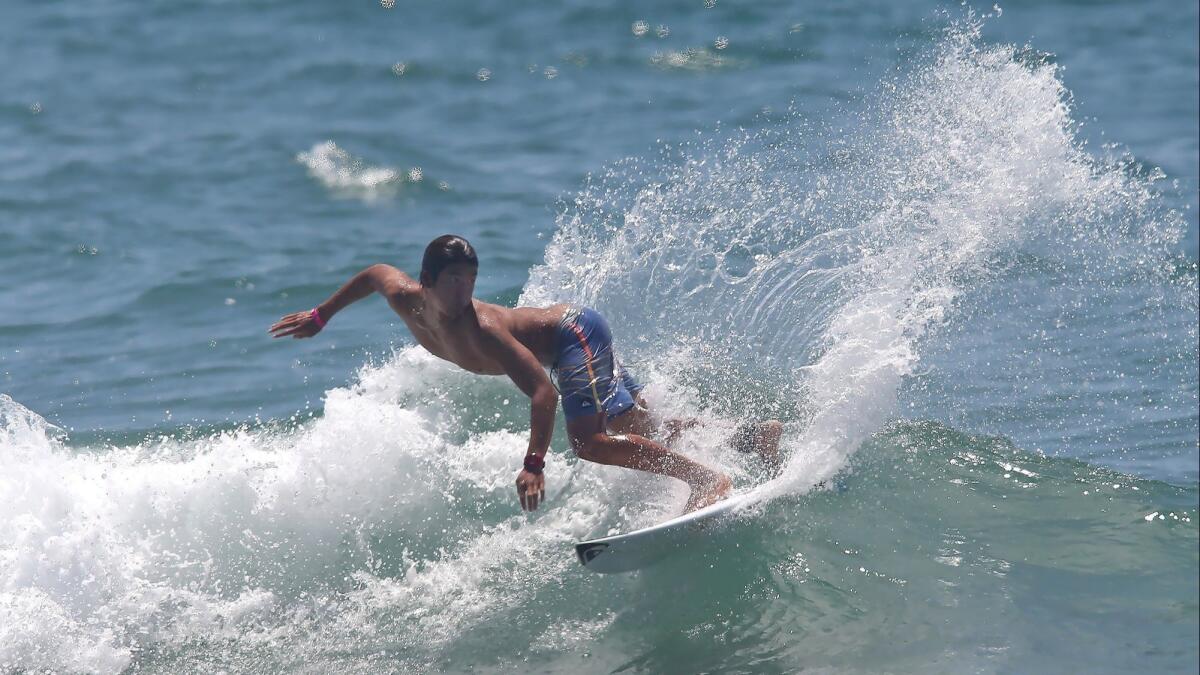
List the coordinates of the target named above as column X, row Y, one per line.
column 644, row 547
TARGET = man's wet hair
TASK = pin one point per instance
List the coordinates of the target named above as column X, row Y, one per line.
column 444, row 251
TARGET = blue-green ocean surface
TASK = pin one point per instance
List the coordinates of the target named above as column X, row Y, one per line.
column 952, row 247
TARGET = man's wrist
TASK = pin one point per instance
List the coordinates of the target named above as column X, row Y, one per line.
column 534, row 463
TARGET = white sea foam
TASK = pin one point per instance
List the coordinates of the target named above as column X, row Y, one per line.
column 692, row 59
column 238, row 536
column 384, row 510
column 346, row 174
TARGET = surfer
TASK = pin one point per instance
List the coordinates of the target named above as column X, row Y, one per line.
column 608, row 421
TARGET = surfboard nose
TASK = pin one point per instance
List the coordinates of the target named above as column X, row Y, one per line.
column 587, row 552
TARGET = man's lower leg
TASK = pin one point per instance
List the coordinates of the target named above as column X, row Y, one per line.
column 638, row 452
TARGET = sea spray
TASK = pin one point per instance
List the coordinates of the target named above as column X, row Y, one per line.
column 819, row 262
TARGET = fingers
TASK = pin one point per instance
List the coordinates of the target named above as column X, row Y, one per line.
column 532, row 493
column 289, row 319
column 536, row 492
column 288, row 322
column 291, row 325
column 292, row 318
column 282, row 324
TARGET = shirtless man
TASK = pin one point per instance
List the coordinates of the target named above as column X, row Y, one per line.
column 608, row 421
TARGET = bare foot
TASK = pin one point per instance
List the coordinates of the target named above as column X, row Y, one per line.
column 675, row 427
column 768, row 446
column 761, row 438
column 704, row 494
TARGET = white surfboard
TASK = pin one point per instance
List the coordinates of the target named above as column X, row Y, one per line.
column 640, row 548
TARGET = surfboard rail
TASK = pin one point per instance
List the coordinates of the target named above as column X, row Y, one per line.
column 644, row 547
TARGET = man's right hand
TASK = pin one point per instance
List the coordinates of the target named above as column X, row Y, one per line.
column 531, row 489
column 297, row 325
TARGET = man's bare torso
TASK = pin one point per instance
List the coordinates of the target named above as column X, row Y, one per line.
column 459, row 341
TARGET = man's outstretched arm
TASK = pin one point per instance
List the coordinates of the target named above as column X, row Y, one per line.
column 386, row 280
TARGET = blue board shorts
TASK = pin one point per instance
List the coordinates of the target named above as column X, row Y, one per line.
column 586, row 371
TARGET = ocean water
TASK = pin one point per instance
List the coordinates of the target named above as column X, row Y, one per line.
column 952, row 247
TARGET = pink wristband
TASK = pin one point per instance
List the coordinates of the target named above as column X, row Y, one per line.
column 317, row 317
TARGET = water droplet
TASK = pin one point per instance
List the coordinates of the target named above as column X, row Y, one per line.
column 721, row 43
column 399, row 68
column 639, row 28
column 483, row 75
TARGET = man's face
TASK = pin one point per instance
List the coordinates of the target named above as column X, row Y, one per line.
column 455, row 286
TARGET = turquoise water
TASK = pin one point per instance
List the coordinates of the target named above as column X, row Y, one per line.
column 953, row 249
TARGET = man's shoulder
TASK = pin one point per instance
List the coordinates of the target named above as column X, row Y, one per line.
column 493, row 319
column 400, row 289
column 393, row 278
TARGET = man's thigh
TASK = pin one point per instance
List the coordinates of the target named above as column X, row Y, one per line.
column 635, row 420
column 583, row 427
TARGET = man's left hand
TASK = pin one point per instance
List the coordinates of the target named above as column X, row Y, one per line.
column 531, row 488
